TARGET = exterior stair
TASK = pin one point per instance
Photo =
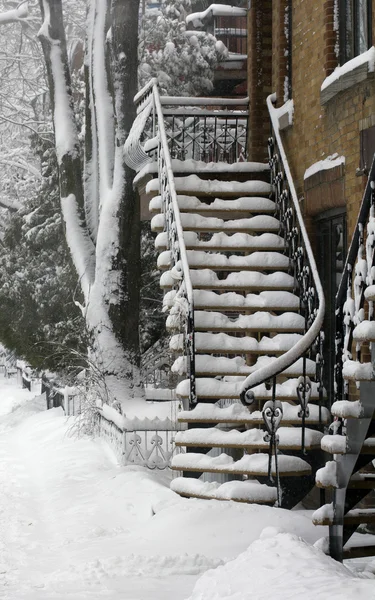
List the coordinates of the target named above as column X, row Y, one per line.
column 347, row 475
column 239, row 304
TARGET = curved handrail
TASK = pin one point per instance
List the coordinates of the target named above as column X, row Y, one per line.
column 287, row 359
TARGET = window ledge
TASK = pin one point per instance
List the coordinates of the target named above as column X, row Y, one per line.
column 351, row 73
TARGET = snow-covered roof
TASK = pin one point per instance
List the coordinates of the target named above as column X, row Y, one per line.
column 215, row 10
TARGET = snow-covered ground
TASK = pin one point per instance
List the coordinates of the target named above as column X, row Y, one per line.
column 75, row 525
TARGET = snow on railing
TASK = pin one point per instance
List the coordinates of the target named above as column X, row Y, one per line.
column 307, row 281
column 357, row 284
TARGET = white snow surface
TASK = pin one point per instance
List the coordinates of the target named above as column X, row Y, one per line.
column 77, row 526
column 282, row 566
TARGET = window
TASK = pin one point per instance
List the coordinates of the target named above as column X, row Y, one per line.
column 355, row 33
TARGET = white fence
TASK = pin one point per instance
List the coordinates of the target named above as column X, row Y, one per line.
column 152, row 447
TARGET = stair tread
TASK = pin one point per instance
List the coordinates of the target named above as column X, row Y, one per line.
column 249, row 464
column 193, row 222
column 194, row 185
column 198, row 166
column 212, row 437
column 193, row 204
column 205, row 364
column 220, row 262
column 347, row 409
column 236, row 412
column 270, row 300
column 356, row 516
column 241, row 280
column 259, row 321
column 225, row 343
column 239, row 491
column 364, row 332
column 239, row 242
column 337, row 444
column 357, row 371
column 212, row 388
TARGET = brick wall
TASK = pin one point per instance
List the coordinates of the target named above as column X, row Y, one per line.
column 318, row 130
column 259, row 75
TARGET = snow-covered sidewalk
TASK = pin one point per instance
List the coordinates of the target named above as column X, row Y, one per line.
column 75, row 525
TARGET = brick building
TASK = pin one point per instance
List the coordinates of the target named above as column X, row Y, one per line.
column 320, row 55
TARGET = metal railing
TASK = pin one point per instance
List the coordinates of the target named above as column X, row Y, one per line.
column 358, row 274
column 306, row 283
column 202, row 129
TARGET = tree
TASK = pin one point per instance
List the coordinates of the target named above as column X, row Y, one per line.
column 99, row 206
column 183, row 61
column 38, row 317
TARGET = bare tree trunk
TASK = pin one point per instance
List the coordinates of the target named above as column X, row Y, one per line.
column 125, row 67
column 100, row 207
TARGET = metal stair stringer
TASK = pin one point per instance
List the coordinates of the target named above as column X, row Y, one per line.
column 356, row 431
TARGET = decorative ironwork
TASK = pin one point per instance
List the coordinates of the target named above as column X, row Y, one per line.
column 153, row 449
column 302, row 267
column 206, row 135
column 272, row 414
column 303, row 393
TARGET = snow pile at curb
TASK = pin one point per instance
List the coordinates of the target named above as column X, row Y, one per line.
column 282, row 566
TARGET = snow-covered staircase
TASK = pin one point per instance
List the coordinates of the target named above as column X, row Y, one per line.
column 244, row 312
column 349, row 474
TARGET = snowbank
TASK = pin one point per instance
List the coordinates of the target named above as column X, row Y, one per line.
column 282, row 566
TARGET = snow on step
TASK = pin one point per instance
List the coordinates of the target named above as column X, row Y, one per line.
column 364, row 332
column 192, row 184
column 289, row 438
column 249, row 464
column 357, row 371
column 256, row 322
column 239, row 242
column 217, row 343
column 346, row 409
column 326, row 477
column 232, row 301
column 239, row 491
column 236, row 412
column 334, row 444
column 368, row 445
column 325, row 515
column 212, row 388
column 213, row 365
column 195, row 166
column 242, row 280
column 193, row 204
column 204, row 260
column 370, row 293
column 193, row 222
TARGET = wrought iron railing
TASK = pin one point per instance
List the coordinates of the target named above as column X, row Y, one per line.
column 358, row 274
column 306, row 284
column 206, row 129
column 169, row 128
